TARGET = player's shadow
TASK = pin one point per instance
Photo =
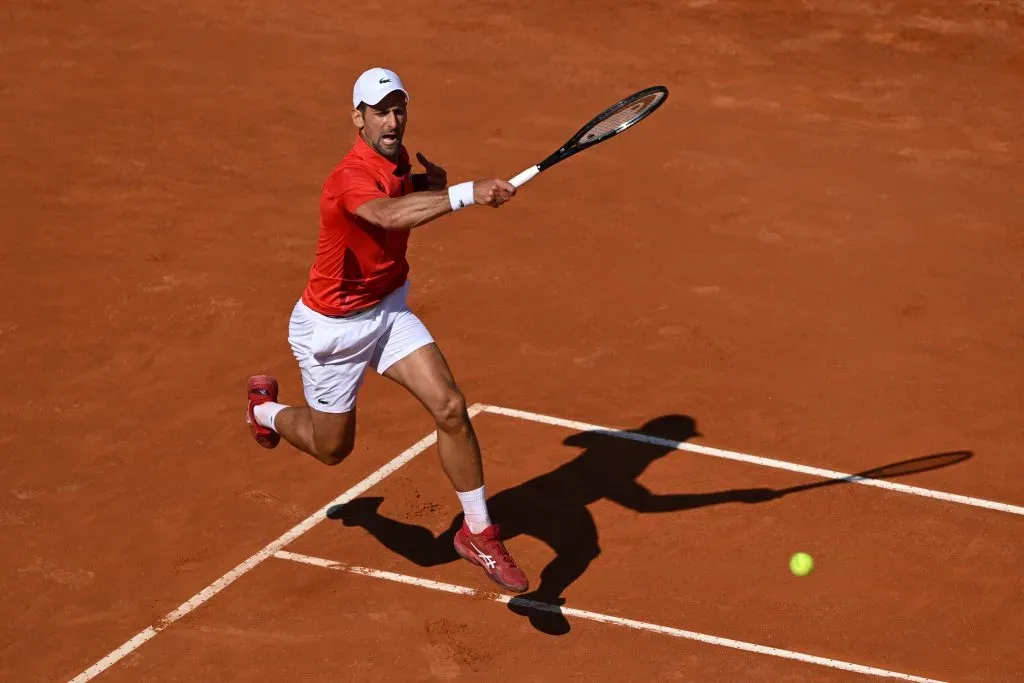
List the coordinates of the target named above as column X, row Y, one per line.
column 553, row 508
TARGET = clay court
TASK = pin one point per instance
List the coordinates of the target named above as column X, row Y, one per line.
column 808, row 263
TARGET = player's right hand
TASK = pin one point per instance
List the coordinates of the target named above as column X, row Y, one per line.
column 494, row 192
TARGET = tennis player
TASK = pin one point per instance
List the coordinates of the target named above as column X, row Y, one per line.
column 353, row 314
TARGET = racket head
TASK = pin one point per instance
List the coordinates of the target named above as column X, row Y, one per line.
column 616, row 119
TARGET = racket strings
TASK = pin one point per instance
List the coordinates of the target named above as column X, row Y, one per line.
column 627, row 115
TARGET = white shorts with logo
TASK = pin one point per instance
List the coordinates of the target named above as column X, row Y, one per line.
column 334, row 353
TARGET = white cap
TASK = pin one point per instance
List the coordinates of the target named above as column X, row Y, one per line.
column 373, row 85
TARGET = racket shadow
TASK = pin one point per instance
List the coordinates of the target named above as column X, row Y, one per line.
column 894, row 470
column 554, row 508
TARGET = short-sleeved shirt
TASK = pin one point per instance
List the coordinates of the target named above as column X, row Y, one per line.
column 358, row 264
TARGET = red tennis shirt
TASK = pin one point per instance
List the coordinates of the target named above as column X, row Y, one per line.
column 358, row 264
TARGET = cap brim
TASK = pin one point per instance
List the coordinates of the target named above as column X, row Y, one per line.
column 385, row 94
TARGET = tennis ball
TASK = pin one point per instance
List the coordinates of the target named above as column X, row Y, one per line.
column 801, row 564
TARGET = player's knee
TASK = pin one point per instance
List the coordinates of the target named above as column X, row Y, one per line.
column 333, row 453
column 450, row 414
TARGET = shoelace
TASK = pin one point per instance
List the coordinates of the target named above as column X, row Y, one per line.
column 503, row 555
column 499, row 553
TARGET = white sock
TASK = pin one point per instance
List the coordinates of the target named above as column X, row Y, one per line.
column 474, row 504
column 267, row 412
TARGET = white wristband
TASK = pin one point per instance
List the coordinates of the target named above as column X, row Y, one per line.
column 460, row 195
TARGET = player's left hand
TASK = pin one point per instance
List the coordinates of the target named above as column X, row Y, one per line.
column 437, row 177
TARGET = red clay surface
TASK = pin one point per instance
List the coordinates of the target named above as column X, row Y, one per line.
column 815, row 249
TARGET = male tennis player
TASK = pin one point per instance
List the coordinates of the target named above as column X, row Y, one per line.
column 353, row 314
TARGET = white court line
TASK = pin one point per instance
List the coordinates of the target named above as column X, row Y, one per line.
column 756, row 460
column 603, row 618
column 268, row 551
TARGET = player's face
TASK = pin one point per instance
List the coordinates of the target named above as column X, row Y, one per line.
column 383, row 125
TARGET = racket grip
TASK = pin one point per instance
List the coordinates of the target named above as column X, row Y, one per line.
column 525, row 176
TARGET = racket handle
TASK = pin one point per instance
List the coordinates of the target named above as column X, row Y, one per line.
column 525, row 176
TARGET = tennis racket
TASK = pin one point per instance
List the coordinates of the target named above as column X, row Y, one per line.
column 609, row 123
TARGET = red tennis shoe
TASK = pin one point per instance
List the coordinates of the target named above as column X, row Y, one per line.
column 486, row 550
column 262, row 389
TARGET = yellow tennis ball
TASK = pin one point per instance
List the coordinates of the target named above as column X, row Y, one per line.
column 801, row 564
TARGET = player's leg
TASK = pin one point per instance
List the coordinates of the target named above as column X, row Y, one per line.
column 426, row 375
column 332, row 355
column 328, row 437
column 408, row 355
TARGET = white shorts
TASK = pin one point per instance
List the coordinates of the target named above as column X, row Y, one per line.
column 333, row 353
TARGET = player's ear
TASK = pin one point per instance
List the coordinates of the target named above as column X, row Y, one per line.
column 357, row 119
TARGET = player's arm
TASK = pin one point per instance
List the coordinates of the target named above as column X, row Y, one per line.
column 419, row 208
